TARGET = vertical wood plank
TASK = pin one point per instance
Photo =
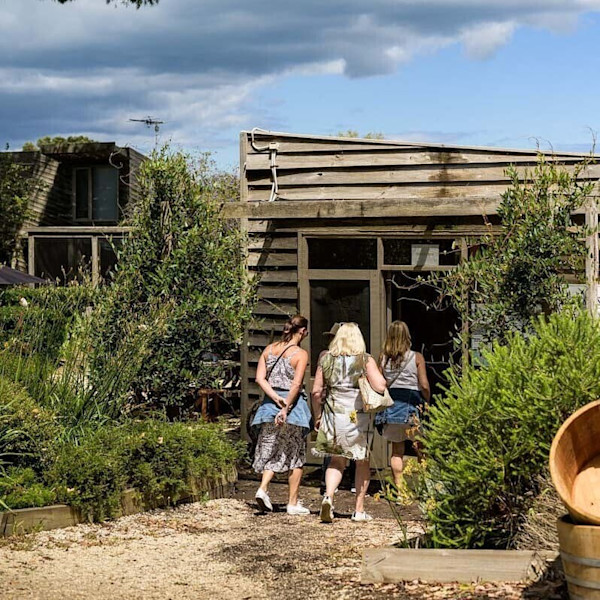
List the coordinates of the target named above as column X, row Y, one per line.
column 31, row 255
column 244, row 354
column 591, row 261
column 95, row 260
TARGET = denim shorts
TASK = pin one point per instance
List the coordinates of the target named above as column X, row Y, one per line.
column 407, row 405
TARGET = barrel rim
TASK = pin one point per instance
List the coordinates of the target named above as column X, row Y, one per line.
column 576, row 512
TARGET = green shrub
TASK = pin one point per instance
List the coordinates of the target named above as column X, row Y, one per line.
column 160, row 459
column 22, row 488
column 183, row 255
column 488, row 438
column 91, row 476
column 169, row 456
column 27, row 431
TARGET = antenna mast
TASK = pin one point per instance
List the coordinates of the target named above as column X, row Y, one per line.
column 149, row 122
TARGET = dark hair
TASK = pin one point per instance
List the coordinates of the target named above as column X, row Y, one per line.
column 292, row 326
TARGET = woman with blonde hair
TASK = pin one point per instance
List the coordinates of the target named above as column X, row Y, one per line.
column 345, row 431
column 406, row 376
column 283, row 417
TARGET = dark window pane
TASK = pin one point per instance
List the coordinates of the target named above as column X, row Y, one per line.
column 105, row 185
column 327, row 253
column 108, row 257
column 334, row 302
column 420, row 252
column 62, row 258
column 81, row 193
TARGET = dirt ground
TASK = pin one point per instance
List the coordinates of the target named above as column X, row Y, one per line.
column 223, row 549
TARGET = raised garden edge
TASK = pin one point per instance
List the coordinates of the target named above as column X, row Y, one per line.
column 394, row 565
column 23, row 520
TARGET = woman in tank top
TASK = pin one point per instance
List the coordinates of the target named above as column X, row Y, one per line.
column 406, row 376
column 283, row 417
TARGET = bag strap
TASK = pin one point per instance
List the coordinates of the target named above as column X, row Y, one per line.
column 278, row 359
column 404, row 363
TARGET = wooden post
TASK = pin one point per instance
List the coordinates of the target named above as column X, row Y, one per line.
column 592, row 259
column 465, row 329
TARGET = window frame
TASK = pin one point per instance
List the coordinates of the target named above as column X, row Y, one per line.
column 90, row 199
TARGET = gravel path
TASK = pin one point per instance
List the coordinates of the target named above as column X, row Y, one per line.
column 222, row 549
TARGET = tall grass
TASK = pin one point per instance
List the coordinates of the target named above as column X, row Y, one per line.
column 49, row 354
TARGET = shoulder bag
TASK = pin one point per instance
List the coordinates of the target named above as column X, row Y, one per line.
column 372, row 401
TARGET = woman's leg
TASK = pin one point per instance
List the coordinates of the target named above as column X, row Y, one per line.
column 294, row 484
column 333, row 475
column 397, row 462
column 266, row 479
column 362, row 480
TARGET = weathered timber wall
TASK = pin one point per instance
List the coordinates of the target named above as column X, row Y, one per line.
column 356, row 186
column 336, row 169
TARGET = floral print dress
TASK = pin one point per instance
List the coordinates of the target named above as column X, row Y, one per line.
column 345, row 429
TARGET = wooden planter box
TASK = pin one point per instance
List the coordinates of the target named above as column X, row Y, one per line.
column 393, row 565
column 56, row 516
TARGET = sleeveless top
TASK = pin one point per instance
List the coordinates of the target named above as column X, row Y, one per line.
column 405, row 376
column 280, row 379
column 341, row 373
column 282, row 375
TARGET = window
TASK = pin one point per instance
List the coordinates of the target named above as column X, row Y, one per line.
column 412, row 252
column 342, row 253
column 62, row 259
column 96, row 192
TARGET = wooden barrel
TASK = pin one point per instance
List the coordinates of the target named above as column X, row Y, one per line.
column 575, row 464
column 580, row 554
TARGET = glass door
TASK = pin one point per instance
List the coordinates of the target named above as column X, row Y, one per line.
column 332, row 302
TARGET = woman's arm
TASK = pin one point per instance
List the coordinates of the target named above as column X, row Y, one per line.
column 317, row 395
column 298, row 362
column 376, row 379
column 422, row 377
column 261, row 379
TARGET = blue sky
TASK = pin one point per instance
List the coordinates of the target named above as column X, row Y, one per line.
column 468, row 72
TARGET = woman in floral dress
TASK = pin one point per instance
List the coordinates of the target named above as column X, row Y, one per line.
column 345, row 431
column 283, row 417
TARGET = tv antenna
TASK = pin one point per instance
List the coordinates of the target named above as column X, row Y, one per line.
column 149, row 122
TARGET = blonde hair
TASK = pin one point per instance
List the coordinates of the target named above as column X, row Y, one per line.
column 397, row 343
column 348, row 341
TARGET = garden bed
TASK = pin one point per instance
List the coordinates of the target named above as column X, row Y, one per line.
column 61, row 515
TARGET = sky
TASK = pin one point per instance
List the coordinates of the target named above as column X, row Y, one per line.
column 510, row 73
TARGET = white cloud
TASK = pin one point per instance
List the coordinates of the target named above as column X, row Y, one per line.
column 482, row 41
column 200, row 65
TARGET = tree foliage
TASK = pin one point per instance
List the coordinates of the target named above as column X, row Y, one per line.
column 183, row 255
column 56, row 140
column 352, row 133
column 518, row 272
column 16, row 188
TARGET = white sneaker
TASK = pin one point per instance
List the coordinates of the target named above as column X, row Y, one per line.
column 361, row 516
column 326, row 514
column 297, row 509
column 263, row 501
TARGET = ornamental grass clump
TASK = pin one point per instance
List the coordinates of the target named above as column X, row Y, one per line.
column 488, row 438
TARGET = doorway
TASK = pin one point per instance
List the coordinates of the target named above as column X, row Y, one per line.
column 433, row 325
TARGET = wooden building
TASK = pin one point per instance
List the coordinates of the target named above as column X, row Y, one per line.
column 340, row 229
column 75, row 214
